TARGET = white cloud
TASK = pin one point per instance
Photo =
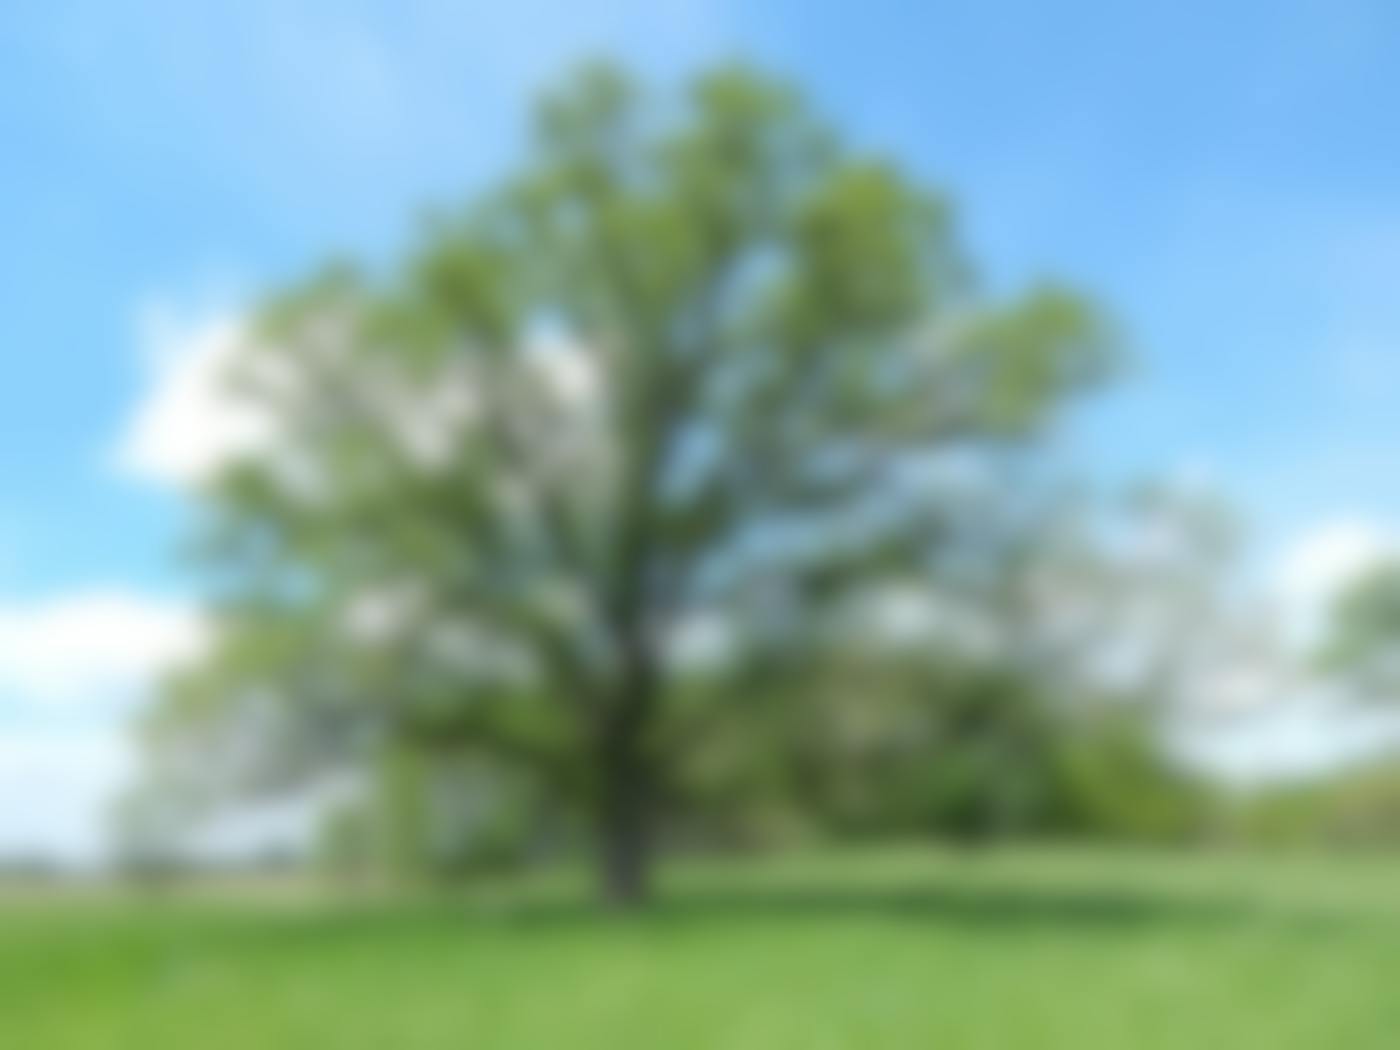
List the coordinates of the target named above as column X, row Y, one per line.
column 71, row 649
column 700, row 642
column 1317, row 565
column 1303, row 737
column 73, row 668
column 568, row 370
column 55, row 790
column 1305, row 725
column 189, row 424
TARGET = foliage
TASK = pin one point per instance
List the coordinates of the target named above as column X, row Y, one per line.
column 688, row 370
column 1362, row 646
column 1356, row 808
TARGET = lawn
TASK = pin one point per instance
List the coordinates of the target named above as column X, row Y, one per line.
column 898, row 948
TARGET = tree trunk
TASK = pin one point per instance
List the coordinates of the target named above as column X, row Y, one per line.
column 625, row 847
column 625, row 809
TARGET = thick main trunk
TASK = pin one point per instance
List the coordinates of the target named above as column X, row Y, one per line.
column 625, row 847
column 625, row 810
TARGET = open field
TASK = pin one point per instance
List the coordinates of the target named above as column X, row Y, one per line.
column 898, row 948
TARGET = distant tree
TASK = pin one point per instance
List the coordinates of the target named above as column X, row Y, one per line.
column 1361, row 644
column 1032, row 685
column 1357, row 803
column 1356, row 806
column 611, row 455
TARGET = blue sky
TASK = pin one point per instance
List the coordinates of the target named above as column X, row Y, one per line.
column 1225, row 177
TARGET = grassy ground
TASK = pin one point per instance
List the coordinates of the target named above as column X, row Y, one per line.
column 1030, row 948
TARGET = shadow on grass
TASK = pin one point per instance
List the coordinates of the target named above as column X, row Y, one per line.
column 994, row 908
column 1012, row 910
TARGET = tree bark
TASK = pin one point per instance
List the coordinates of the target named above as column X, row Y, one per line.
column 626, row 800
column 625, row 842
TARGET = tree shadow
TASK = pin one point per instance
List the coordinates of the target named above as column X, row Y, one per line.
column 990, row 909
column 960, row 903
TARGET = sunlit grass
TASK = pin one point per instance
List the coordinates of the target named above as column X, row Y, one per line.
column 897, row 948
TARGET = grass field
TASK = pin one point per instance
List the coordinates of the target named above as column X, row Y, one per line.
column 909, row 948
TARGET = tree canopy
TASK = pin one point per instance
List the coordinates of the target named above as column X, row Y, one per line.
column 621, row 451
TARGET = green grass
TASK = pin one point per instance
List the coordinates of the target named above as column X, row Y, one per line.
column 1027, row 948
